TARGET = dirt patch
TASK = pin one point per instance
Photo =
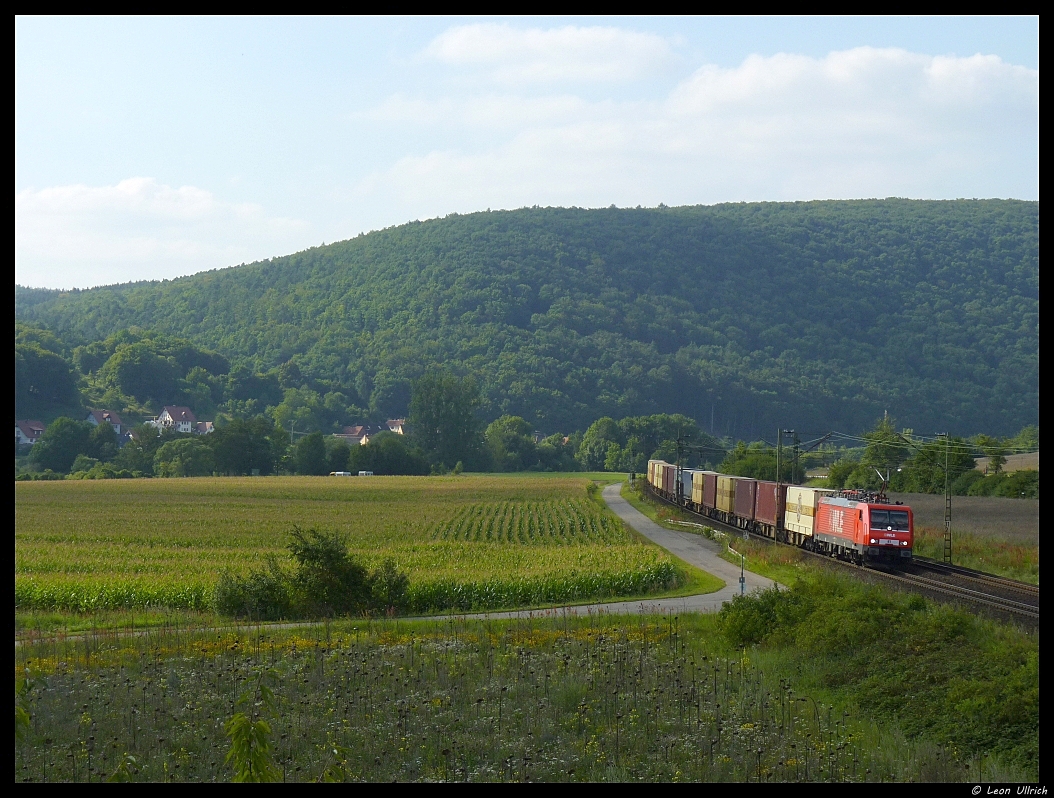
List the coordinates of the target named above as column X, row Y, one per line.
column 1013, row 520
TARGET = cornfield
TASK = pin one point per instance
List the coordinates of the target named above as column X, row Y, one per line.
column 465, row 542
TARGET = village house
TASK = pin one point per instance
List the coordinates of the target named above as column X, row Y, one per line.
column 97, row 417
column 181, row 419
column 356, row 434
column 361, row 433
column 28, row 432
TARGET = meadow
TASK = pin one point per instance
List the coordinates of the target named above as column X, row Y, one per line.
column 554, row 698
column 466, row 542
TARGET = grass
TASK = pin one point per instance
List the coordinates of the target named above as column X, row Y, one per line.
column 689, row 698
column 467, row 542
column 982, row 552
column 995, row 517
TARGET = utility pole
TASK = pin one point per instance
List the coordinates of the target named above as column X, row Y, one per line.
column 797, row 442
column 947, row 501
column 947, row 490
column 779, row 452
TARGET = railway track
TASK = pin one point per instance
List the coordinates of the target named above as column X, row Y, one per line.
column 1005, row 598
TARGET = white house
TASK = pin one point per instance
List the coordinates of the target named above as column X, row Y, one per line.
column 28, row 432
column 97, row 417
column 176, row 417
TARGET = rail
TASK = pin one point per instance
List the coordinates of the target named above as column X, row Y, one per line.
column 982, row 592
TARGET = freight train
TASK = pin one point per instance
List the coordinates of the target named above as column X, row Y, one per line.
column 857, row 526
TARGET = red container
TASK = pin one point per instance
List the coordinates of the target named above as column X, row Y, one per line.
column 746, row 494
column 669, row 477
column 770, row 503
column 710, row 490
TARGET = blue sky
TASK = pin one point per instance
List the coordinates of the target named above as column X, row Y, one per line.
column 151, row 148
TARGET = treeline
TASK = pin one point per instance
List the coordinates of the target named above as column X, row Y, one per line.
column 447, row 433
column 924, row 466
column 745, row 316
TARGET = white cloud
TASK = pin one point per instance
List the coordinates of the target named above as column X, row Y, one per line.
column 138, row 229
column 860, row 123
column 568, row 55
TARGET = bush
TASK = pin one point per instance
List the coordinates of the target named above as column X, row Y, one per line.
column 326, row 581
column 962, row 484
column 389, row 587
column 967, row 681
column 262, row 595
column 1018, row 485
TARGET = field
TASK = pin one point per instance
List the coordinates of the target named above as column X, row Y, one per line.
column 561, row 698
column 1010, row 520
column 989, row 533
column 466, row 542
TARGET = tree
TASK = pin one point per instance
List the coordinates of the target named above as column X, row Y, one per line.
column 510, row 444
column 443, row 417
column 337, row 454
column 596, row 443
column 242, row 447
column 103, row 444
column 138, row 370
column 310, row 455
column 43, row 380
column 188, row 456
column 388, row 454
column 923, row 472
column 994, row 450
column 60, row 444
column 138, row 453
column 758, row 460
column 328, row 581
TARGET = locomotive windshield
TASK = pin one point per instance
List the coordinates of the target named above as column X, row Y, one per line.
column 886, row 519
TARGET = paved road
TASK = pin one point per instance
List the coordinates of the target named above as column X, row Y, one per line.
column 692, row 548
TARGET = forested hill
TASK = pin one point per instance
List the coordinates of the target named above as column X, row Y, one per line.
column 817, row 315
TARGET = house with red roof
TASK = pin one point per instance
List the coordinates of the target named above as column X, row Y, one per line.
column 28, row 432
column 97, row 417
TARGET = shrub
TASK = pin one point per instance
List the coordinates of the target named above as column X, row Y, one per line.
column 327, row 581
column 388, row 587
column 262, row 595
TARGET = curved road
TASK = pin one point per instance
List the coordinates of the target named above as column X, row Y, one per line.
column 692, row 548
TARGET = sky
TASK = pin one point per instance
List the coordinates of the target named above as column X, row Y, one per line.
column 157, row 147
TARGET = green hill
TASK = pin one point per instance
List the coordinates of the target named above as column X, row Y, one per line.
column 817, row 315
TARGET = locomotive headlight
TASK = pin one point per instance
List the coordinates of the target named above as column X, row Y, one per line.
column 873, row 540
column 903, row 543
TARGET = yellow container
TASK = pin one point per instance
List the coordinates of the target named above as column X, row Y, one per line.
column 800, row 513
column 726, row 494
column 697, row 488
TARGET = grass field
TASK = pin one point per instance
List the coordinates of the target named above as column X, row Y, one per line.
column 562, row 698
column 1013, row 521
column 466, row 542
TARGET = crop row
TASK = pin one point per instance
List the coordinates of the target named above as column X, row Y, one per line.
column 550, row 522
column 443, row 575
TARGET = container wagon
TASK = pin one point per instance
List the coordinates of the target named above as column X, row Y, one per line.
column 768, row 509
column 746, row 491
